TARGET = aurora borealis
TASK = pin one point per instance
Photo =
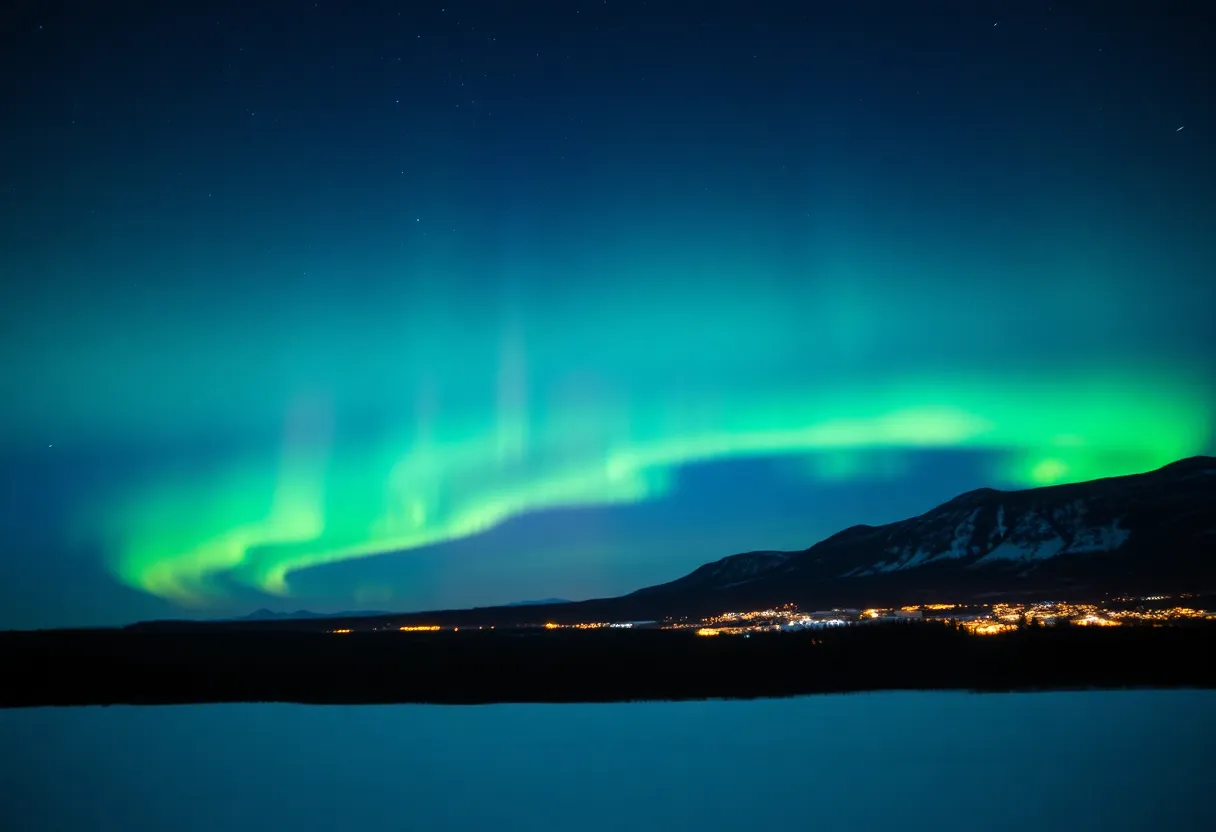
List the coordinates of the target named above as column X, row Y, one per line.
column 261, row 522
column 377, row 307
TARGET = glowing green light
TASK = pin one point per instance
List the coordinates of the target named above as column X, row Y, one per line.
column 1048, row 472
column 446, row 480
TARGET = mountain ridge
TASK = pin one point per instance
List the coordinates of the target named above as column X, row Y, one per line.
column 1151, row 525
column 265, row 614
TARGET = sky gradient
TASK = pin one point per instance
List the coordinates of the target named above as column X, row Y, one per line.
column 370, row 306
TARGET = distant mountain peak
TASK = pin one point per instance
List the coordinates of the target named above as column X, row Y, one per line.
column 541, row 603
column 974, row 496
column 1193, row 463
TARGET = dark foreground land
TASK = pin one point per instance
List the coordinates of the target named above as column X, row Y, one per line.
column 114, row 667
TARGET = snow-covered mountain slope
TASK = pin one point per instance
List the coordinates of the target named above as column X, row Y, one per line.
column 1145, row 530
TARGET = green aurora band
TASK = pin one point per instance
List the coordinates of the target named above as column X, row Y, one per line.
column 192, row 539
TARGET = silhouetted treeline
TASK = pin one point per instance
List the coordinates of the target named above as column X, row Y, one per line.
column 116, row 667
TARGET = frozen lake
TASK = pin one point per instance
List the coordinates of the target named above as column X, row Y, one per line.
column 912, row 761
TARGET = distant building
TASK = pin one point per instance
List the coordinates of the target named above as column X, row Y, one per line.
column 828, row 618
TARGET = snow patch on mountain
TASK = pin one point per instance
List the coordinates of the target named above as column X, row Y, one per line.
column 1100, row 539
column 918, row 557
column 1071, row 514
column 1032, row 527
column 1024, row 551
column 961, row 545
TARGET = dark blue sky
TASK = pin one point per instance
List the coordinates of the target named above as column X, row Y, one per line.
column 370, row 305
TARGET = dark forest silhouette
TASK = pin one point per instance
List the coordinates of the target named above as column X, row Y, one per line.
column 469, row 667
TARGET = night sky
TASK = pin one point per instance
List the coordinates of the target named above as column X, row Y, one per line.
column 399, row 306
